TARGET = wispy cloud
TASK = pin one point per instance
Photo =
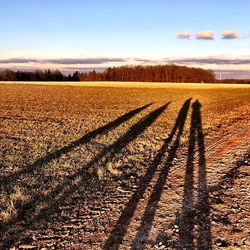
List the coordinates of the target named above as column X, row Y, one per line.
column 18, row 60
column 67, row 61
column 71, row 62
column 246, row 36
column 228, row 74
column 100, row 63
column 183, row 35
column 205, row 35
column 100, row 60
column 212, row 60
column 229, row 34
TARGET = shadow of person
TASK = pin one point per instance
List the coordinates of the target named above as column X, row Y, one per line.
column 195, row 215
column 27, row 215
column 119, row 230
column 41, row 162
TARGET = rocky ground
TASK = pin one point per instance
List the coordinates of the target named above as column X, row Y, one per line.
column 114, row 168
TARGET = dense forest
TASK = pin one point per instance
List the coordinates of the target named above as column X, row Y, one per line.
column 47, row 75
column 158, row 73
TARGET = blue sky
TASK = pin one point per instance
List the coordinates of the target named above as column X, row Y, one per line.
column 46, row 32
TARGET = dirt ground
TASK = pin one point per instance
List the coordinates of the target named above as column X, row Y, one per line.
column 124, row 168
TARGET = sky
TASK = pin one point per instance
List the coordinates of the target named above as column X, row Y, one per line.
column 83, row 35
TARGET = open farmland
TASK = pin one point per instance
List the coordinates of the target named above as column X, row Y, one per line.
column 158, row 167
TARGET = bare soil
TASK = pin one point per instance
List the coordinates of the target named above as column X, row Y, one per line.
column 124, row 168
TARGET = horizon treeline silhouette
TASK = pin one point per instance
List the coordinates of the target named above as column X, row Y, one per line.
column 38, row 75
column 157, row 73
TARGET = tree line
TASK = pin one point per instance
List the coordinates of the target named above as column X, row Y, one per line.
column 38, row 75
column 234, row 81
column 158, row 73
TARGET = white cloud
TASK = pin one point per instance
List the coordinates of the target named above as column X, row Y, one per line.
column 183, row 35
column 229, row 34
column 205, row 35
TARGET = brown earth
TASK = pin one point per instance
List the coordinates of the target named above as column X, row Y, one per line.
column 124, row 168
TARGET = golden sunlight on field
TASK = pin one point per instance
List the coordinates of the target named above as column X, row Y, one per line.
column 120, row 165
column 133, row 84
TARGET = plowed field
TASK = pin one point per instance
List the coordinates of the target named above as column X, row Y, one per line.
column 112, row 167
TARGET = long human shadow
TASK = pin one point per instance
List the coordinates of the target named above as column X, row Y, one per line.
column 64, row 190
column 195, row 213
column 119, row 230
column 149, row 214
column 39, row 163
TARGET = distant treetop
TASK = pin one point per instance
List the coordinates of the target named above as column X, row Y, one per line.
column 157, row 73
